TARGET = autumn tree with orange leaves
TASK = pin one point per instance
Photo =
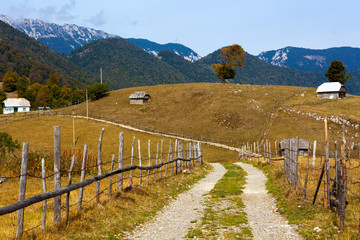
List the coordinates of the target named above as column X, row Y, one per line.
column 231, row 58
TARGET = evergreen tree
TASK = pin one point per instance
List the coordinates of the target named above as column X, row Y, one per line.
column 337, row 72
column 22, row 85
column 9, row 82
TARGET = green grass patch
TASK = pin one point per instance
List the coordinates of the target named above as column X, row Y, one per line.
column 224, row 216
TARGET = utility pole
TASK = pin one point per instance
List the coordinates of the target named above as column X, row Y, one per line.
column 101, row 75
column 87, row 105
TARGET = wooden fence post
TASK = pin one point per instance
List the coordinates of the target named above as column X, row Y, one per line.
column 99, row 165
column 156, row 161
column 171, row 158
column 120, row 161
column 82, row 178
column 178, row 155
column 148, row 172
column 200, row 150
column 57, row 174
column 140, row 161
column 161, row 155
column 314, row 153
column 307, row 173
column 110, row 180
column 175, row 154
column 23, row 172
column 327, row 169
column 270, row 152
column 132, row 156
column 168, row 158
column 70, row 181
column 43, row 175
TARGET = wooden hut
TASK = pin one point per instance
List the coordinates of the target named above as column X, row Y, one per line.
column 303, row 146
column 331, row 90
column 139, row 98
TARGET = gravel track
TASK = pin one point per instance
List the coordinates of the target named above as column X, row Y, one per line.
column 264, row 221
column 174, row 220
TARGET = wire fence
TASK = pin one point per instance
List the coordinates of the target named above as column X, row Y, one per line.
column 332, row 175
column 157, row 165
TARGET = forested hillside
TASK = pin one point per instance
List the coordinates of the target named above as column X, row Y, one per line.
column 26, row 56
column 124, row 64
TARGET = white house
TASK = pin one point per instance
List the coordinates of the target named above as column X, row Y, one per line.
column 331, row 90
column 13, row 105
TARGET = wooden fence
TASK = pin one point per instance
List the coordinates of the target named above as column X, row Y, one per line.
column 178, row 160
column 335, row 176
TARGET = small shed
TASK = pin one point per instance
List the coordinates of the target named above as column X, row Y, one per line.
column 331, row 90
column 139, row 98
column 303, row 146
column 13, row 105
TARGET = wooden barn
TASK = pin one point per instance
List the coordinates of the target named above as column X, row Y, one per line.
column 13, row 105
column 303, row 146
column 331, row 90
column 139, row 98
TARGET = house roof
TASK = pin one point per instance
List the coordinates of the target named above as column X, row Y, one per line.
column 16, row 102
column 138, row 95
column 330, row 87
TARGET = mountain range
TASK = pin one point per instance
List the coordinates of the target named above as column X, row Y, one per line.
column 311, row 60
column 126, row 64
column 64, row 39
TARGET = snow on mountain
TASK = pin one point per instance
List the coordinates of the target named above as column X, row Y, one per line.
column 154, row 48
column 313, row 60
column 60, row 38
column 65, row 38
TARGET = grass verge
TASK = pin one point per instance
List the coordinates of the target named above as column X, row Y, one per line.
column 313, row 220
column 224, row 217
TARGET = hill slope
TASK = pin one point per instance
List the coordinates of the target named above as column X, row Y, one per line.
column 229, row 113
column 124, row 64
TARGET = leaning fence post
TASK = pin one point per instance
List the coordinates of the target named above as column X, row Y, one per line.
column 43, row 226
column 120, row 161
column 110, row 180
column 140, row 161
column 83, row 168
column 23, row 172
column 327, row 169
column 148, row 172
column 99, row 165
column 57, row 174
column 70, row 181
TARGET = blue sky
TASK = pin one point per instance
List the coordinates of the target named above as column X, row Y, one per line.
column 205, row 26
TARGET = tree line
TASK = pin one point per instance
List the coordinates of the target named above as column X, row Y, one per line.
column 52, row 94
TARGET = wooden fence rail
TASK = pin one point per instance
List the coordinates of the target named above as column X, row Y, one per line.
column 58, row 190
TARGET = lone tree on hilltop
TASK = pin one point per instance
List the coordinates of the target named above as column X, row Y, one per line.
column 231, row 59
column 337, row 72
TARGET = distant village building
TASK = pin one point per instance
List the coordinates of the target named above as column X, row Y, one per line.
column 331, row 90
column 139, row 98
column 303, row 146
column 13, row 105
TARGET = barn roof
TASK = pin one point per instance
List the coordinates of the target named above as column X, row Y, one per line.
column 137, row 95
column 330, row 87
column 303, row 143
column 16, row 102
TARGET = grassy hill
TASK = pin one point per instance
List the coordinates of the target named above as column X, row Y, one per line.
column 228, row 112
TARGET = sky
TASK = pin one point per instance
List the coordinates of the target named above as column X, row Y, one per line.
column 207, row 25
